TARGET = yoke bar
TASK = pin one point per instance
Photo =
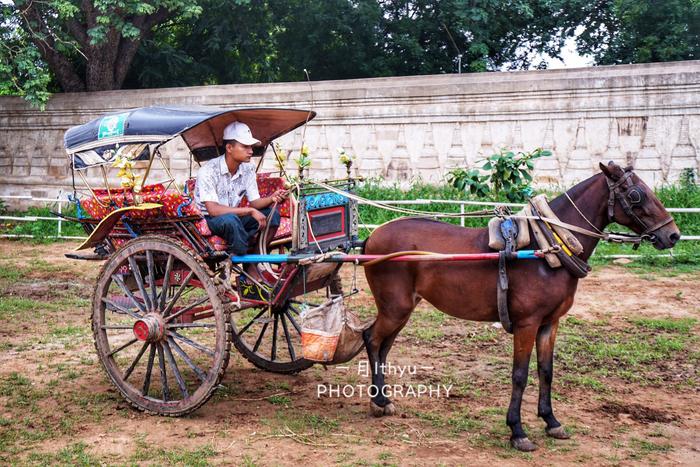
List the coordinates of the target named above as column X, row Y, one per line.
column 343, row 258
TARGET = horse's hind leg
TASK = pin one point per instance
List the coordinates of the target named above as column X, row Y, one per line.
column 378, row 341
column 546, row 337
column 523, row 341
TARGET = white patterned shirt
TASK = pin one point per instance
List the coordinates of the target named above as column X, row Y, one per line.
column 215, row 183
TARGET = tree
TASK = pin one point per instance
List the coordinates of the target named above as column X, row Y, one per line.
column 634, row 31
column 86, row 45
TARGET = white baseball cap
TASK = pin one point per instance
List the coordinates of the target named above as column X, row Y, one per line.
column 240, row 132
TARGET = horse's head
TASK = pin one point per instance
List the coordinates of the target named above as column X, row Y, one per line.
column 633, row 204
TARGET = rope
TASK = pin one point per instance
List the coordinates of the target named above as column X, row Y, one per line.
column 496, row 212
column 412, row 212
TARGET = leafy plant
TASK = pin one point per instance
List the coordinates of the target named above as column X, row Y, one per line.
column 688, row 179
column 508, row 174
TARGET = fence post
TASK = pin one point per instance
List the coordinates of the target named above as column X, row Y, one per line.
column 60, row 218
column 461, row 211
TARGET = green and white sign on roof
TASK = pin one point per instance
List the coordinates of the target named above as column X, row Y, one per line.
column 112, row 125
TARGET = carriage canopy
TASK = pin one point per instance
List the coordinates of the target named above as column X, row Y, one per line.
column 141, row 131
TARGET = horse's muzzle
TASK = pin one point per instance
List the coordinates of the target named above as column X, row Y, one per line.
column 665, row 237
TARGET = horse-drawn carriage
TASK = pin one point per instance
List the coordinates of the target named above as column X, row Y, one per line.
column 169, row 300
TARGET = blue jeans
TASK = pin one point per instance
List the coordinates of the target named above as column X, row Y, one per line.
column 238, row 231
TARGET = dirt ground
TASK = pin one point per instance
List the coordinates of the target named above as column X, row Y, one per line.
column 626, row 385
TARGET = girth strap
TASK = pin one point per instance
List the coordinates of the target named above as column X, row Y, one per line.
column 509, row 230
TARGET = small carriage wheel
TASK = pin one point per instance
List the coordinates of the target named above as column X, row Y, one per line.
column 270, row 338
column 160, row 324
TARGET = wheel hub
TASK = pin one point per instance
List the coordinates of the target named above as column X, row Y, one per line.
column 150, row 328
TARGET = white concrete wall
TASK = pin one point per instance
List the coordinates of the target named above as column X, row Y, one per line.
column 407, row 127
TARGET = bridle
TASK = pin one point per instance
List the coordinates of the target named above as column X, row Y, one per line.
column 630, row 196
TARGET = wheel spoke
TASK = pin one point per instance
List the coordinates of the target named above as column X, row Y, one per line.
column 128, row 293
column 245, row 328
column 151, row 278
column 149, row 369
column 175, row 298
column 290, row 347
column 166, row 281
column 118, row 307
column 163, row 374
column 273, row 352
column 176, row 371
column 200, row 373
column 186, row 309
column 117, row 326
column 293, row 321
column 139, row 281
column 192, row 343
column 190, row 325
column 260, row 337
column 136, row 360
column 122, row 347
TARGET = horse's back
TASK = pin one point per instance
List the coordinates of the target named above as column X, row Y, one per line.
column 417, row 233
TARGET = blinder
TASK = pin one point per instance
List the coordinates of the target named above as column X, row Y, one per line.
column 630, row 195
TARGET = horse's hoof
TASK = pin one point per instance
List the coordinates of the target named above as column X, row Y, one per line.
column 558, row 432
column 375, row 410
column 390, row 409
column 523, row 444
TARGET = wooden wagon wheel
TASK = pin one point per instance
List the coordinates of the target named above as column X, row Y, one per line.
column 160, row 324
column 270, row 337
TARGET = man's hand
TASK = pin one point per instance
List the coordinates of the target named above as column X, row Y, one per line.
column 279, row 196
column 260, row 218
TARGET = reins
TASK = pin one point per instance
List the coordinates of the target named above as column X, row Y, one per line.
column 613, row 237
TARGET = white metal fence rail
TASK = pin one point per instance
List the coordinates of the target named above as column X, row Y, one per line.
column 462, row 210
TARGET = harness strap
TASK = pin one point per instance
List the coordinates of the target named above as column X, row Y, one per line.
column 502, row 293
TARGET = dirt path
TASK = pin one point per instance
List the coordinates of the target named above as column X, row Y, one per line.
column 626, row 385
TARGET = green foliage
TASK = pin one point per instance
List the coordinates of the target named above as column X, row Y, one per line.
column 510, row 174
column 42, row 230
column 688, row 179
column 633, row 31
column 74, row 46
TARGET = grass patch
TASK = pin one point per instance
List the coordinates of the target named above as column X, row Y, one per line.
column 74, row 454
column 306, row 425
column 69, row 331
column 146, row 452
column 642, row 448
column 10, row 272
column 682, row 325
column 454, row 424
column 591, row 352
column 424, row 334
column 280, row 400
column 20, row 391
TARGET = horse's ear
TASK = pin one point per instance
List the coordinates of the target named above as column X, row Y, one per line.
column 612, row 170
column 629, row 168
column 604, row 168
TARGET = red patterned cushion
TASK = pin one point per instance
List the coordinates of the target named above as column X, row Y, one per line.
column 285, row 228
column 202, row 227
column 172, row 200
column 121, row 197
column 218, row 243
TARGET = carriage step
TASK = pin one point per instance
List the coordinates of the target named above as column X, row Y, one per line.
column 86, row 256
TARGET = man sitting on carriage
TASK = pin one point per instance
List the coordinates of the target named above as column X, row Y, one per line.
column 224, row 181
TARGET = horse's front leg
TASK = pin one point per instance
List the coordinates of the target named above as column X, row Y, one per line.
column 523, row 340
column 546, row 336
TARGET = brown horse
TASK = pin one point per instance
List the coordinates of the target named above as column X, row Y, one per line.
column 538, row 297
